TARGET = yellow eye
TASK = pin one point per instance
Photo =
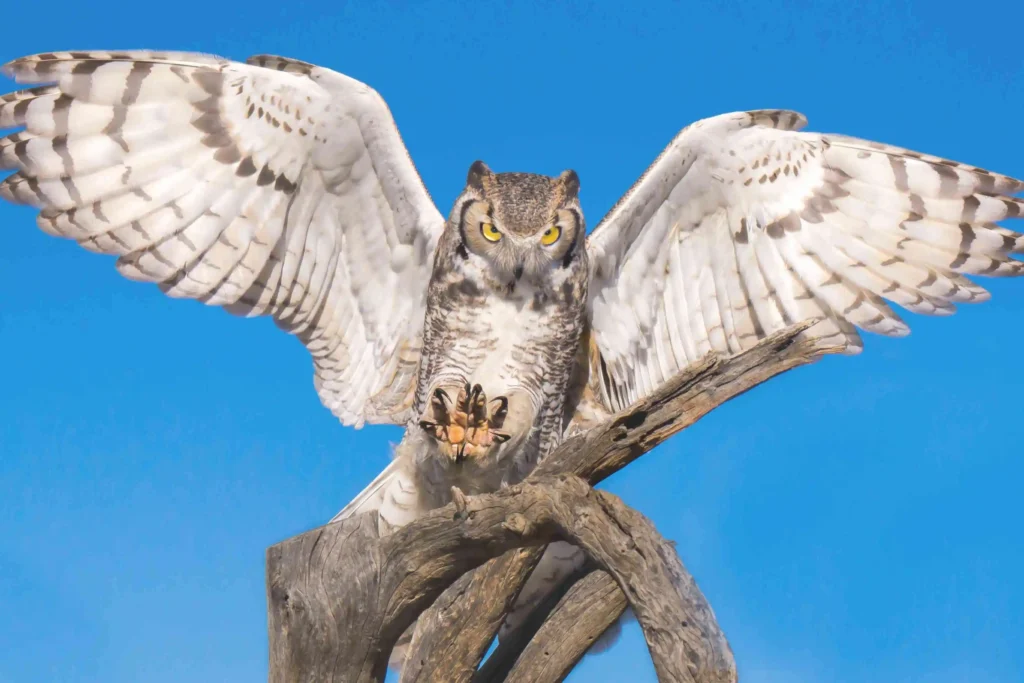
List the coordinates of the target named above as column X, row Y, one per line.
column 551, row 235
column 490, row 233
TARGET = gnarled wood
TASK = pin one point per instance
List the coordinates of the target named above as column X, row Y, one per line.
column 465, row 608
column 608, row 447
column 565, row 633
column 335, row 614
column 340, row 596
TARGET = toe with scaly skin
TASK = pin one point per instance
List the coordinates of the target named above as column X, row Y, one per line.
column 459, row 421
column 438, row 418
column 478, row 438
column 448, row 421
column 466, row 427
column 487, row 417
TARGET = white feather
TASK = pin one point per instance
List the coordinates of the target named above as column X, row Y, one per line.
column 284, row 191
column 744, row 225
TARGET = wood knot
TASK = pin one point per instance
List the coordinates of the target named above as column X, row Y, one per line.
column 635, row 419
column 516, row 523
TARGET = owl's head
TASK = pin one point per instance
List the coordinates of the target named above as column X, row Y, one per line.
column 521, row 226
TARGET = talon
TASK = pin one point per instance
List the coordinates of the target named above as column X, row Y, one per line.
column 466, row 428
column 439, row 432
column 442, row 396
column 502, row 408
column 479, row 407
column 431, row 427
column 498, row 414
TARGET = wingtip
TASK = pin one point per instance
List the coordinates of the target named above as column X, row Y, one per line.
column 10, row 68
column 35, row 61
column 16, row 69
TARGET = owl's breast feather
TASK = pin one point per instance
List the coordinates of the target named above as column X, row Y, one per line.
column 513, row 332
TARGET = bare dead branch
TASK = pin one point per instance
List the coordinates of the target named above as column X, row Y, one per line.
column 554, row 638
column 465, row 608
column 340, row 596
column 335, row 614
column 606, row 448
column 693, row 393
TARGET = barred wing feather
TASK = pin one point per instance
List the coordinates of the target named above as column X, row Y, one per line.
column 270, row 188
column 744, row 225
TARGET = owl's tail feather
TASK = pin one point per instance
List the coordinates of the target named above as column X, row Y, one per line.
column 392, row 493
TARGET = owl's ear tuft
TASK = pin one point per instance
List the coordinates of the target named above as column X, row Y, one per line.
column 477, row 172
column 570, row 183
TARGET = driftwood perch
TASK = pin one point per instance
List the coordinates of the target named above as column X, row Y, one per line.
column 313, row 611
column 467, row 607
column 608, row 448
column 553, row 641
column 340, row 596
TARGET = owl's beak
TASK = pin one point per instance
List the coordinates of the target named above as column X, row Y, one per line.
column 518, row 271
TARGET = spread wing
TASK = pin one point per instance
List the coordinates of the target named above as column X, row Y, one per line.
column 270, row 188
column 744, row 226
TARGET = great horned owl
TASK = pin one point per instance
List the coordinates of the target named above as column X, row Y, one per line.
column 505, row 311
column 279, row 188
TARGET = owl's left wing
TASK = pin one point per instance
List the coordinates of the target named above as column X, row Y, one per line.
column 744, row 226
column 273, row 187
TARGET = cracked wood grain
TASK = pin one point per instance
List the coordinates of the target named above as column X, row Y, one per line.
column 556, row 636
column 340, row 596
column 335, row 614
column 613, row 444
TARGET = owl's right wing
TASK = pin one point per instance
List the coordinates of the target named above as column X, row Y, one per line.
column 746, row 225
column 270, row 188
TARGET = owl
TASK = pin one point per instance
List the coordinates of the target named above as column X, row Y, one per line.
column 505, row 311
column 279, row 188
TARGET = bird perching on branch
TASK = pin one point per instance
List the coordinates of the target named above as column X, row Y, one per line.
column 280, row 188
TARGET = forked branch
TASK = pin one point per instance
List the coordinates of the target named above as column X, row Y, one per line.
column 548, row 651
column 335, row 614
column 599, row 453
column 341, row 595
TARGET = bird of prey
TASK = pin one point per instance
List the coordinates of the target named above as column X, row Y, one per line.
column 276, row 187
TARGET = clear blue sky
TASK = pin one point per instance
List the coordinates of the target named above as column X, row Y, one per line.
column 858, row 520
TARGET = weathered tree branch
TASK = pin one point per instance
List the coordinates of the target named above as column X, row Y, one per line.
column 466, row 607
column 685, row 641
column 464, row 648
column 605, row 449
column 340, row 596
column 335, row 614
column 553, row 640
column 610, row 446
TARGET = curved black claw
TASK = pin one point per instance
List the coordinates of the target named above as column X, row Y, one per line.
column 499, row 412
column 441, row 399
column 468, row 426
column 440, row 404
